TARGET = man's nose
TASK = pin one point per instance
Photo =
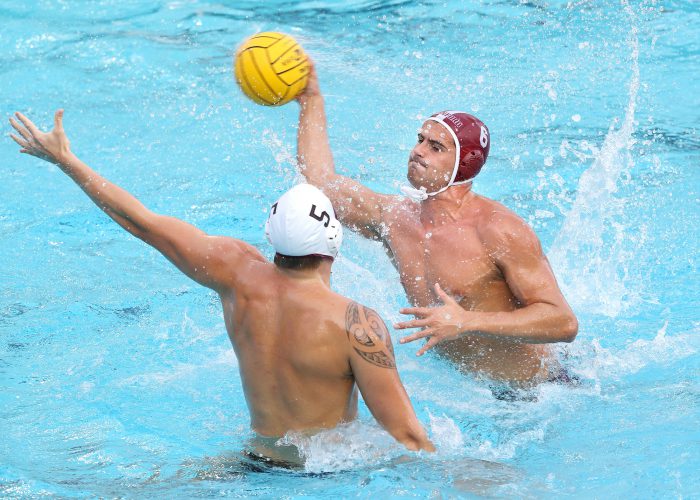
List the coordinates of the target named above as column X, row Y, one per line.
column 419, row 149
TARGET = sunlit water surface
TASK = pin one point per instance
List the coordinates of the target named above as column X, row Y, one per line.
column 116, row 375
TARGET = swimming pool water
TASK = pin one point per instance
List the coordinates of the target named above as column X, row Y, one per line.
column 116, row 375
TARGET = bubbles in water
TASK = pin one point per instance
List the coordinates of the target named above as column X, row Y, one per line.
column 551, row 93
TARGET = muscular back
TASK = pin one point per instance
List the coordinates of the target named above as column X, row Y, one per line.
column 290, row 339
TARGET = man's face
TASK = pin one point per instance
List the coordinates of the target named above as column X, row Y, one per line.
column 432, row 160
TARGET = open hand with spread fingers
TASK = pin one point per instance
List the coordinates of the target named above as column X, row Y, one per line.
column 441, row 323
column 51, row 146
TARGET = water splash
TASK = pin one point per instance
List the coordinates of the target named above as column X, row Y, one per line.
column 347, row 446
column 594, row 362
column 589, row 254
column 445, row 433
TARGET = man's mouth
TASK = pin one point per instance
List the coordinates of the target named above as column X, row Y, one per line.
column 415, row 162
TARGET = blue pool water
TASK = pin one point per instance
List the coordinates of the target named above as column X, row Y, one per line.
column 116, row 375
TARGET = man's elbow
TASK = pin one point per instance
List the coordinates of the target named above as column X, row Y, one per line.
column 322, row 179
column 569, row 328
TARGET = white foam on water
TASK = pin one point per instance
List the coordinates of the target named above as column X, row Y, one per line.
column 595, row 362
column 348, row 446
column 589, row 254
column 445, row 433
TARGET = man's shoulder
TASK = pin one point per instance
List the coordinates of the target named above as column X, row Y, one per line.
column 355, row 311
column 495, row 208
column 332, row 307
column 353, row 322
column 356, row 314
column 245, row 264
column 368, row 335
column 499, row 224
column 398, row 209
column 233, row 250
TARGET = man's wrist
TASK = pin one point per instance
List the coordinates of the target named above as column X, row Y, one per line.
column 459, row 324
column 306, row 98
column 464, row 322
column 65, row 159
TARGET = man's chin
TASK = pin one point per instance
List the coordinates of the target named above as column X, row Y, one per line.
column 416, row 183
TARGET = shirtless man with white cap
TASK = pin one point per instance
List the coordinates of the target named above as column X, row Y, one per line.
column 482, row 290
column 302, row 349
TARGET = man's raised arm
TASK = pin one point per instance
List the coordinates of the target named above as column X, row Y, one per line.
column 374, row 368
column 358, row 206
column 205, row 259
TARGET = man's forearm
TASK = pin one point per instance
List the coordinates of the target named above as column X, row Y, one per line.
column 313, row 148
column 120, row 205
column 537, row 324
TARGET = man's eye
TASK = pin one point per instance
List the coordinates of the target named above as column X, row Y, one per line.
column 436, row 149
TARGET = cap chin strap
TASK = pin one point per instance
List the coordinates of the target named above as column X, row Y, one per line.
column 422, row 194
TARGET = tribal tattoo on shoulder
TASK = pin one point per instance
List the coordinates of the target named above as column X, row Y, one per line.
column 369, row 336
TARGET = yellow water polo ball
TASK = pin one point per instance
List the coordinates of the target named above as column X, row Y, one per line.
column 271, row 68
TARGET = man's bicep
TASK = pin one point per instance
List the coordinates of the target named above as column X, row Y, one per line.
column 525, row 268
column 356, row 205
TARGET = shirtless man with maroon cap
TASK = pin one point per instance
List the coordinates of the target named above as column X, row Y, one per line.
column 482, row 290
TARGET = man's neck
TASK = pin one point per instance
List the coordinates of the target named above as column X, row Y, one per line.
column 449, row 202
column 322, row 273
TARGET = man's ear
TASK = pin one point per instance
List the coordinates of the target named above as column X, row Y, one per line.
column 471, row 164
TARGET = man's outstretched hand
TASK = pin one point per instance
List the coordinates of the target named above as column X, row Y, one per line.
column 50, row 146
column 441, row 323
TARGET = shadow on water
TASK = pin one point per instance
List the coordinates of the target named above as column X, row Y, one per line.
column 448, row 476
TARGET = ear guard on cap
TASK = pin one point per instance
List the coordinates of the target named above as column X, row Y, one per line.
column 334, row 237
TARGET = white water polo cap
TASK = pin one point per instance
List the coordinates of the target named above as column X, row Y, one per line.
column 303, row 222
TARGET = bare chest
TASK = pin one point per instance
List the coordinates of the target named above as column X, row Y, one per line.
column 451, row 255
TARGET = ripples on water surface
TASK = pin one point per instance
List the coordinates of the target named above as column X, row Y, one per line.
column 117, row 377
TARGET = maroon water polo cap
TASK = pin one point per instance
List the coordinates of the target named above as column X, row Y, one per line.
column 474, row 142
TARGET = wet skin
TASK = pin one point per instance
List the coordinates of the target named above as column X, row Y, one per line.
column 483, row 292
column 303, row 350
column 438, row 247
